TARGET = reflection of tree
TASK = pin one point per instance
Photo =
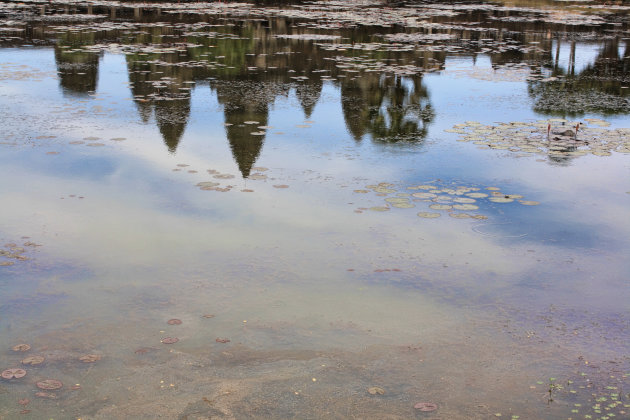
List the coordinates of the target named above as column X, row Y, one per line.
column 391, row 109
column 597, row 88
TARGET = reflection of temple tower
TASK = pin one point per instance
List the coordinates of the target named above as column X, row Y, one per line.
column 245, row 103
column 308, row 94
column 172, row 117
column 77, row 71
column 163, row 89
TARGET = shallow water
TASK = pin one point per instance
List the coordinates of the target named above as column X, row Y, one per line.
column 310, row 129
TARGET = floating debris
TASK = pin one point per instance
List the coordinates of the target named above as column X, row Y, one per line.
column 208, row 316
column 170, row 340
column 222, row 340
column 174, row 321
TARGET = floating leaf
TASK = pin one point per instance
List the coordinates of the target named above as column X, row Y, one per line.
column 49, row 384
column 90, row 358
column 33, row 360
column 14, row 373
column 501, row 199
column 465, row 207
column 425, row 406
column 440, row 206
column 21, row 347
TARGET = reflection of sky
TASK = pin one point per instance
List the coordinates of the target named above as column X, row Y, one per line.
column 137, row 211
column 585, row 54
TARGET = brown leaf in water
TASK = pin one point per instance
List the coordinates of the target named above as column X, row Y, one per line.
column 14, row 373
column 49, row 384
column 21, row 347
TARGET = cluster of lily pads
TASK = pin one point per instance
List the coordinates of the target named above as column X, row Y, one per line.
column 451, row 199
column 44, row 385
column 589, row 396
column 12, row 252
column 215, row 185
column 533, row 138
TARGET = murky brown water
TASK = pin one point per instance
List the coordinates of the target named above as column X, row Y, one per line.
column 351, row 207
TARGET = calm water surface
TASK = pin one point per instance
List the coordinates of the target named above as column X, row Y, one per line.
column 330, row 197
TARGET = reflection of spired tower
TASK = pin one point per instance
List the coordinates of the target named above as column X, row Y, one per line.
column 163, row 89
column 390, row 109
column 171, row 117
column 77, row 71
column 246, row 108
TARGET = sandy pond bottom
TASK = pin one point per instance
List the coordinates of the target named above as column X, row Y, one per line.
column 275, row 334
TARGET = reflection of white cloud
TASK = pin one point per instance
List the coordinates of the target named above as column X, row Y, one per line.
column 585, row 55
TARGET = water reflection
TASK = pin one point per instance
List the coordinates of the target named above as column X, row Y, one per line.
column 167, row 58
column 248, row 69
column 598, row 87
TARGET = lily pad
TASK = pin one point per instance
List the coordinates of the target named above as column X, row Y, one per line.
column 375, row 390
column 460, row 215
column 425, row 406
column 90, row 358
column 49, row 384
column 464, row 200
column 428, row 215
column 404, row 205
column 13, row 373
column 440, row 206
column 501, row 199
column 465, row 207
column 528, row 202
column 424, row 195
column 33, row 360
column 21, row 347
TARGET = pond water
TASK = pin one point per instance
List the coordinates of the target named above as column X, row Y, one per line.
column 314, row 210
